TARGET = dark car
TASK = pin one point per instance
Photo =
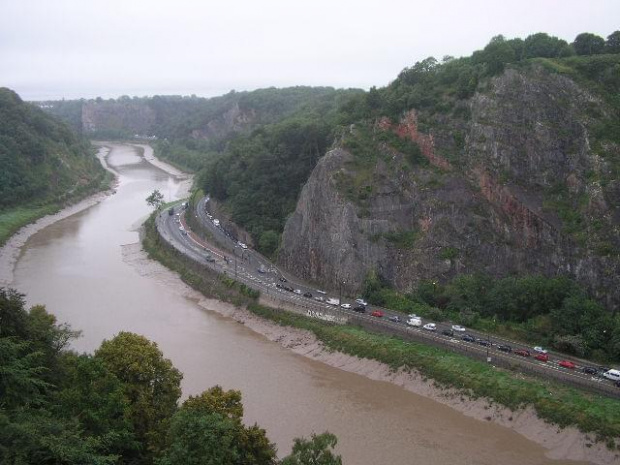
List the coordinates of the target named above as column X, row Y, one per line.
column 448, row 332
column 394, row 318
column 209, row 258
column 282, row 279
column 279, row 286
column 484, row 342
column 359, row 309
column 504, row 348
column 618, row 383
column 288, row 288
column 469, row 338
column 308, row 295
column 522, row 352
column 590, row 370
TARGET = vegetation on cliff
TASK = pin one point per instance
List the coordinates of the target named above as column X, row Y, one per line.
column 41, row 160
column 439, row 92
column 552, row 312
column 42, row 164
column 119, row 405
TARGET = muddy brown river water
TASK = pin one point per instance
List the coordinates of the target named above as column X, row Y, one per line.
column 76, row 267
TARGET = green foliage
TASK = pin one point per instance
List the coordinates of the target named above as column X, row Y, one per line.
column 547, row 311
column 402, row 239
column 216, row 416
column 260, row 176
column 155, row 200
column 13, row 219
column 316, row 451
column 546, row 46
column 41, row 160
column 151, row 385
column 448, row 253
column 39, row 421
column 552, row 311
column 269, row 242
column 612, row 44
column 588, row 44
column 196, row 438
column 118, row 406
column 216, row 400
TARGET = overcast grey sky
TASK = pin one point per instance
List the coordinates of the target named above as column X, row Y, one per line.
column 87, row 48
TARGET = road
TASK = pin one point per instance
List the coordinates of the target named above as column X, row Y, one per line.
column 256, row 271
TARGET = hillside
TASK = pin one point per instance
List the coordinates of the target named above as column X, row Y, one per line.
column 41, row 160
column 518, row 178
column 43, row 164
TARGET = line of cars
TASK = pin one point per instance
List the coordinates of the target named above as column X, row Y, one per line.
column 413, row 320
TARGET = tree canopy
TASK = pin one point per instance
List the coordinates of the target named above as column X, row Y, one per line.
column 41, row 159
column 118, row 406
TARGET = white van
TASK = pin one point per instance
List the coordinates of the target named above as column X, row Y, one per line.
column 613, row 375
column 414, row 321
column 333, row 301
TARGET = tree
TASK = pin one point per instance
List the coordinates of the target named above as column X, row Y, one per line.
column 316, row 451
column 216, row 400
column 544, row 45
column 588, row 44
column 197, row 438
column 151, row 385
column 612, row 45
column 13, row 316
column 269, row 242
column 155, row 200
column 251, row 445
column 93, row 394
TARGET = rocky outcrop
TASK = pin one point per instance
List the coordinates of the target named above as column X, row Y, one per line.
column 134, row 118
column 233, row 120
column 145, row 117
column 524, row 193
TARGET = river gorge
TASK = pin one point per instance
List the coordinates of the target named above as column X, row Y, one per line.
column 89, row 271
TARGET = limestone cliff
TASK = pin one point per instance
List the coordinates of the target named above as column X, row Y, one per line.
column 512, row 187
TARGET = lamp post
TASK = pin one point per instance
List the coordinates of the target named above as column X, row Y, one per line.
column 235, row 253
column 489, row 341
column 341, row 283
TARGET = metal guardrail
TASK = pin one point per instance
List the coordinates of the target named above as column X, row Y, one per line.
column 286, row 301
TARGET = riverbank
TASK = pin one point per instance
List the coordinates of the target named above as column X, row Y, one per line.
column 13, row 220
column 32, row 221
column 562, row 444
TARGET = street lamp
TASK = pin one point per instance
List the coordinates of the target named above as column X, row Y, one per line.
column 340, row 298
column 489, row 341
column 235, row 253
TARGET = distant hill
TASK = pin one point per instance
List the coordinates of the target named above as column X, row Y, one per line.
column 41, row 160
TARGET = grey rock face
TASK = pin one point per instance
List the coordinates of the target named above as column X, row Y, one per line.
column 488, row 210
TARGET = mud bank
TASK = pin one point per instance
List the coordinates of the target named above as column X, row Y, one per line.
column 149, row 156
column 565, row 444
column 10, row 252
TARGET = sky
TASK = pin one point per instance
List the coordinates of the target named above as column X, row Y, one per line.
column 53, row 49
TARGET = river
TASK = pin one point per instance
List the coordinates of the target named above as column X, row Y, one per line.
column 78, row 269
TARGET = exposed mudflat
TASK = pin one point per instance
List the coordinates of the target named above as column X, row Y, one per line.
column 565, row 444
column 9, row 253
